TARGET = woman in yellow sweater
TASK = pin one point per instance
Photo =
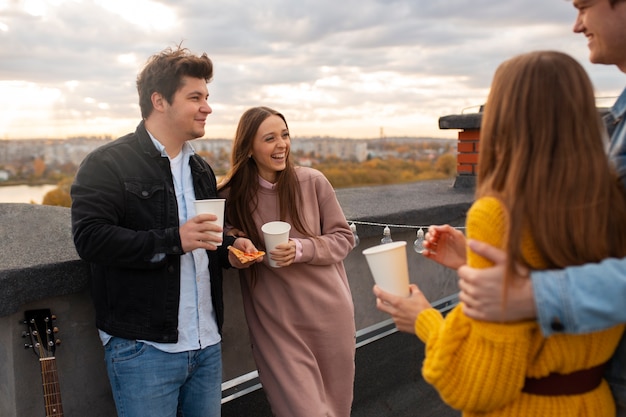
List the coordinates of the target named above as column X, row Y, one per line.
column 545, row 194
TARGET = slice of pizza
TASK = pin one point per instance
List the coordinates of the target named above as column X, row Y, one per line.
column 244, row 257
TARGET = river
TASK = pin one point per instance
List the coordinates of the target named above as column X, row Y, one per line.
column 24, row 193
column 28, row 193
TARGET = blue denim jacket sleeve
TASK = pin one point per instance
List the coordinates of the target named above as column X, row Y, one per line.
column 615, row 121
column 581, row 299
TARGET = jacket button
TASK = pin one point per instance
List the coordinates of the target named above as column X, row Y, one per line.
column 556, row 325
column 170, row 269
column 145, row 193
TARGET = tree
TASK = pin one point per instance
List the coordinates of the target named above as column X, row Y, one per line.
column 57, row 197
column 60, row 196
column 446, row 164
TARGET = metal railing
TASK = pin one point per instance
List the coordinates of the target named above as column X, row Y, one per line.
column 247, row 383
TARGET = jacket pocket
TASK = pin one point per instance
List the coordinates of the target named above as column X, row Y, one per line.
column 145, row 204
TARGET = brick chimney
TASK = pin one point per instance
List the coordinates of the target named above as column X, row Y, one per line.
column 468, row 144
column 467, row 147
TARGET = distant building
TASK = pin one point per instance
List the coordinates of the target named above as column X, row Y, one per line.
column 215, row 146
column 345, row 149
column 73, row 150
column 52, row 151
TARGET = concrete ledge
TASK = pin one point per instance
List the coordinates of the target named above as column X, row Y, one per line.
column 461, row 121
column 465, row 181
column 418, row 204
column 22, row 286
column 38, row 259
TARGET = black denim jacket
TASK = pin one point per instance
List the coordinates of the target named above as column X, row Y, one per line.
column 125, row 224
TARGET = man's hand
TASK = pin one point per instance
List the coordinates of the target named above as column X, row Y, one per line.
column 194, row 233
column 445, row 245
column 403, row 310
column 482, row 290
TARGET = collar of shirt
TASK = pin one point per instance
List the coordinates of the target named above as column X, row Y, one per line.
column 187, row 147
column 266, row 184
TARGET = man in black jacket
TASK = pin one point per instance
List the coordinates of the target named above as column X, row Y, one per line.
column 156, row 272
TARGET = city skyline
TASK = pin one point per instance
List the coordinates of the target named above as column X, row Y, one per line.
column 353, row 69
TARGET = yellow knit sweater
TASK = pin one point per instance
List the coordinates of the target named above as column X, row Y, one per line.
column 480, row 367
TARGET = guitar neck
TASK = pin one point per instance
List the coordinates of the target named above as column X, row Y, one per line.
column 51, row 389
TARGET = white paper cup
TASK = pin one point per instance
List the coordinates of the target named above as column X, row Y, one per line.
column 389, row 267
column 275, row 233
column 212, row 206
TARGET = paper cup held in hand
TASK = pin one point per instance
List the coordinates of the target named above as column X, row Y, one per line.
column 389, row 267
column 275, row 233
column 212, row 206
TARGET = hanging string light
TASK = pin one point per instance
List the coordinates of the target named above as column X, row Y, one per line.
column 386, row 235
column 418, row 245
column 356, row 237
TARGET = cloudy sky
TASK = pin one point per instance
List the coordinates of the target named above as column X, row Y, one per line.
column 341, row 68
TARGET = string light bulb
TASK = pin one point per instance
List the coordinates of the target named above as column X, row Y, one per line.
column 386, row 235
column 356, row 237
column 418, row 245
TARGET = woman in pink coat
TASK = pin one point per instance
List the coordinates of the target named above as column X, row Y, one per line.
column 300, row 315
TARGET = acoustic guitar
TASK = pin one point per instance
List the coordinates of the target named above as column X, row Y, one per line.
column 42, row 333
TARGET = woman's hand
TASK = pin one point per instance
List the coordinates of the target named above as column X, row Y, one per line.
column 284, row 254
column 403, row 310
column 245, row 245
column 445, row 245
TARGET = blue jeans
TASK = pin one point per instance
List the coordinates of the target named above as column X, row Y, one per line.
column 147, row 382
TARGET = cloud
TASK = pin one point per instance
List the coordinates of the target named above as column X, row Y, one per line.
column 340, row 68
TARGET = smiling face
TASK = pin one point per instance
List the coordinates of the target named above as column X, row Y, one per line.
column 605, row 29
column 271, row 147
column 189, row 108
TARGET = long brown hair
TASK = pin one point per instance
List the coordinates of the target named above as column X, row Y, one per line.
column 542, row 153
column 242, row 181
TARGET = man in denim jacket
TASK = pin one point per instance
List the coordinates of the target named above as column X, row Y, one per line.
column 577, row 299
column 155, row 271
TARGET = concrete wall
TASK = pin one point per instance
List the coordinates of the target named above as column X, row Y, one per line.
column 40, row 269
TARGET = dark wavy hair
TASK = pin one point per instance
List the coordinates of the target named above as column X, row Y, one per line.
column 164, row 72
